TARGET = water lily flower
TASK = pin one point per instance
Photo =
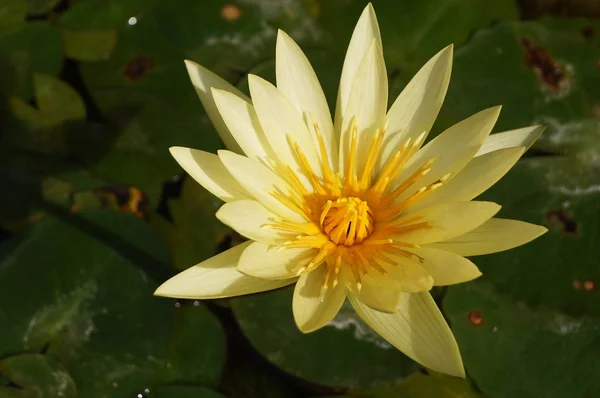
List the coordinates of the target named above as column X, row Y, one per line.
column 356, row 207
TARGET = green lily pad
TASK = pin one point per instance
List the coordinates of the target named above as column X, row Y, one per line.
column 90, row 305
column 518, row 351
column 538, row 302
column 12, row 13
column 35, row 47
column 190, row 243
column 184, row 392
column 346, row 353
column 38, row 375
column 190, row 359
column 89, row 45
column 39, row 7
column 420, row 385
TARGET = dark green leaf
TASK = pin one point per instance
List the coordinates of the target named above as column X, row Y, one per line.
column 39, row 376
column 345, row 353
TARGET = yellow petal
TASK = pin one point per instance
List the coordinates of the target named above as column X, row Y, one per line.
column 259, row 181
column 478, row 175
column 493, row 236
column 217, row 277
column 419, row 330
column 203, row 80
column 525, row 137
column 312, row 310
column 281, row 123
column 418, row 105
column 366, row 106
column 407, row 274
column 208, row 170
column 273, row 262
column 447, row 221
column 377, row 292
column 453, row 149
column 365, row 32
column 445, row 267
column 298, row 81
column 242, row 121
column 251, row 219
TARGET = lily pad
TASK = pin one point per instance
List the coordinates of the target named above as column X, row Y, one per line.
column 39, row 376
column 12, row 13
column 38, row 7
column 184, row 392
column 346, row 353
column 538, row 302
column 421, row 385
column 35, row 47
column 91, row 305
column 194, row 233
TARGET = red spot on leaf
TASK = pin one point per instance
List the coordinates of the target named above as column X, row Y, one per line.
column 138, row 67
column 475, row 318
column 537, row 58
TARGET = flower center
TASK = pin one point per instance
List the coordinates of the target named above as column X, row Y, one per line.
column 346, row 221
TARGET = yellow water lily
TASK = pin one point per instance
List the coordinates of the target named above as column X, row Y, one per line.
column 356, row 208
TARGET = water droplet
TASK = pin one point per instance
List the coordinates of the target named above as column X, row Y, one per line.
column 146, row 391
column 140, row 396
column 495, row 329
column 196, row 303
column 177, row 304
column 132, row 21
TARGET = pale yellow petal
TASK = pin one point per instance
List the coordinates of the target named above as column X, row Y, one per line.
column 378, row 293
column 208, row 170
column 446, row 221
column 478, row 175
column 445, row 267
column 525, row 137
column 407, row 274
column 282, row 124
column 242, row 121
column 273, row 262
column 259, row 181
column 251, row 219
column 452, row 149
column 313, row 310
column 366, row 30
column 495, row 235
column 298, row 81
column 203, row 80
column 419, row 330
column 418, row 105
column 217, row 277
column 366, row 106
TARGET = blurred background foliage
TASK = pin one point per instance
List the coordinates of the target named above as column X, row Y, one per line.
column 94, row 213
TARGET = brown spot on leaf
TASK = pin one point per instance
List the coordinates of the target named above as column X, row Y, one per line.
column 550, row 74
column 231, row 12
column 566, row 222
column 475, row 318
column 598, row 63
column 576, row 285
column 589, row 286
column 588, row 32
column 138, row 67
